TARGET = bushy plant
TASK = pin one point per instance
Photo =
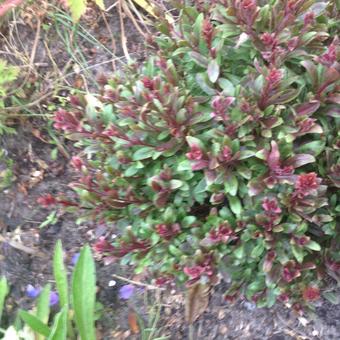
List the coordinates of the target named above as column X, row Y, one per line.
column 219, row 156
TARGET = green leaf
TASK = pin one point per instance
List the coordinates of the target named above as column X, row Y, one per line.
column 332, row 297
column 231, row 185
column 34, row 323
column 257, row 250
column 200, row 187
column 4, row 290
column 314, row 148
column 298, row 253
column 143, row 153
column 51, row 219
column 43, row 304
column 84, row 294
column 194, row 142
column 227, row 86
column 235, row 205
column 77, row 8
column 100, row 4
column 184, row 165
column 313, row 246
column 198, row 25
column 174, row 251
column 271, row 297
column 199, row 59
column 60, row 274
column 213, row 70
column 175, row 184
column 202, row 83
column 239, row 252
column 59, row 327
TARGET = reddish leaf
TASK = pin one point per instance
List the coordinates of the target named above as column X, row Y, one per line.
column 300, row 160
column 311, row 69
column 307, row 109
column 335, row 98
column 273, row 157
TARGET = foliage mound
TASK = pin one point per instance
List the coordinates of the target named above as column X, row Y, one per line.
column 218, row 158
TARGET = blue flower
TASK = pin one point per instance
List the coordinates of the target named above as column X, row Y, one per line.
column 32, row 292
column 75, row 258
column 54, row 298
column 125, row 292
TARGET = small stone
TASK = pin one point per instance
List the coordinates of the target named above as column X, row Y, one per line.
column 112, row 283
column 167, row 311
column 223, row 329
column 126, row 334
column 221, row 314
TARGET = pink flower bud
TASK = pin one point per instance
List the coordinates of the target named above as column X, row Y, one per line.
column 309, row 19
column 274, row 77
column 195, row 153
column 307, row 182
column 77, row 163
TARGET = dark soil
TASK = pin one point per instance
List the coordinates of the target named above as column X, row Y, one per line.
column 26, row 250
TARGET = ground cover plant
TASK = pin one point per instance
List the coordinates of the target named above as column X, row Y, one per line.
column 219, row 156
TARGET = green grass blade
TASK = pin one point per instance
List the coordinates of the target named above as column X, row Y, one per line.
column 43, row 304
column 43, row 307
column 59, row 328
column 84, row 294
column 4, row 289
column 60, row 274
column 33, row 322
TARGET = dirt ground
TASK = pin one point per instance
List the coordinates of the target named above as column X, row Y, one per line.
column 26, row 250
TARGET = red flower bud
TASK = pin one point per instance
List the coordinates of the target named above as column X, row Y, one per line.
column 311, row 293
column 290, row 271
column 306, row 182
column 293, row 43
column 77, row 163
column 148, row 83
column 270, row 206
column 194, row 272
column 248, row 4
column 284, row 297
column 274, row 77
column 330, row 56
column 309, row 18
column 208, row 32
column 268, row 39
column 195, row 153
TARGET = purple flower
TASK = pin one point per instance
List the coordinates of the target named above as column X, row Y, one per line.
column 75, row 258
column 32, row 292
column 54, row 298
column 126, row 291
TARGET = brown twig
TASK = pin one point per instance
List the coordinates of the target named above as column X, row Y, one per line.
column 136, row 283
column 113, row 41
column 122, row 31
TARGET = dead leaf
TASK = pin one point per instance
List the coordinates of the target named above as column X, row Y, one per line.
column 37, row 133
column 197, row 300
column 22, row 188
column 133, row 323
